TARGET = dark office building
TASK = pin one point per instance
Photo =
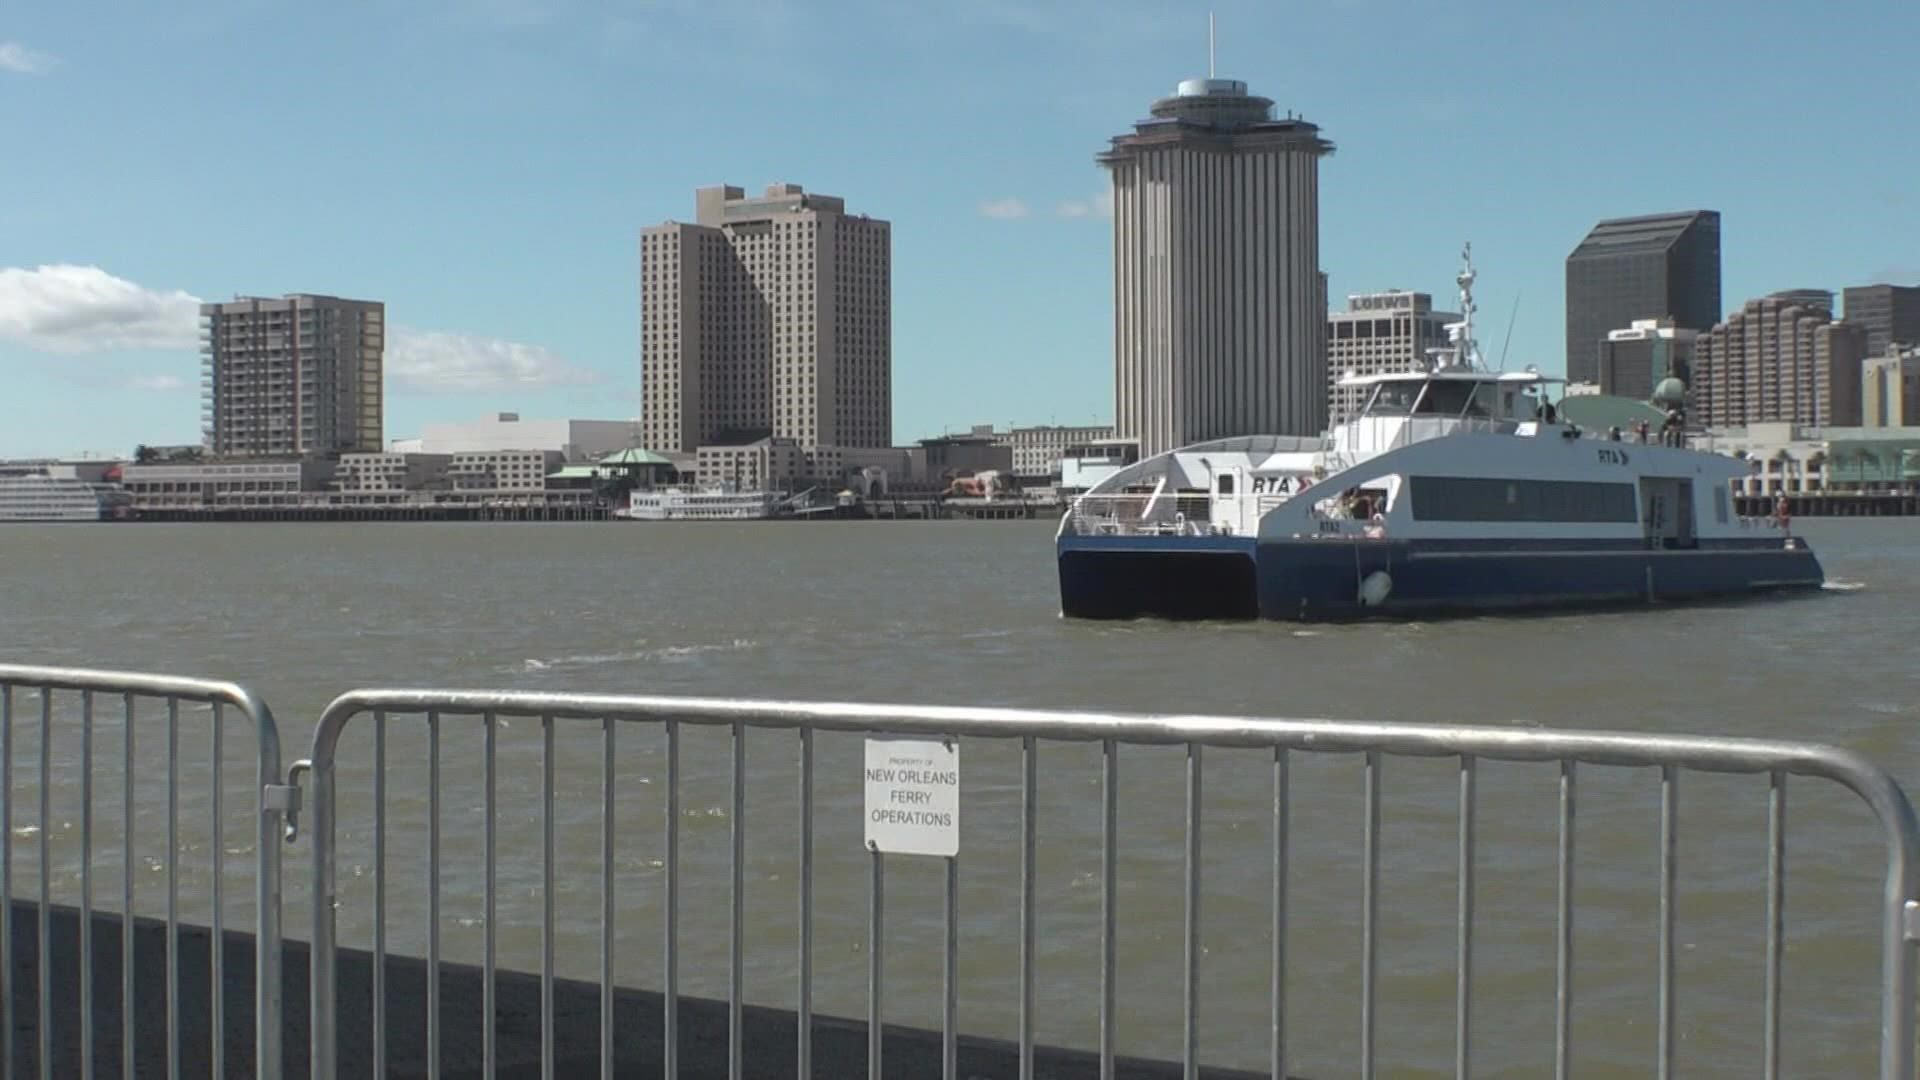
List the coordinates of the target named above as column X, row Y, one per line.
column 1811, row 299
column 1889, row 313
column 1659, row 266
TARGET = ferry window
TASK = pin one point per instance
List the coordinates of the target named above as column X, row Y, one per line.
column 1460, row 498
column 1226, row 484
column 1445, row 398
column 1480, row 402
column 1394, row 399
column 1720, row 505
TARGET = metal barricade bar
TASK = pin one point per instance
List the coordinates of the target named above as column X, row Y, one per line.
column 271, row 806
column 1373, row 743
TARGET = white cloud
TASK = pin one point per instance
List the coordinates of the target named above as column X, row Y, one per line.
column 437, row 361
column 1101, row 205
column 1004, row 209
column 69, row 309
column 21, row 60
column 76, row 309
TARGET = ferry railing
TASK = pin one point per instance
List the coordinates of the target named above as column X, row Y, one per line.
column 231, row 706
column 1123, row 515
column 1278, row 740
column 1127, row 514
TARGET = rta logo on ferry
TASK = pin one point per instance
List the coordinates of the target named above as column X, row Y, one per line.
column 1611, row 456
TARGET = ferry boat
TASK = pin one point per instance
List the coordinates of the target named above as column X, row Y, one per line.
column 701, row 504
column 44, row 491
column 1455, row 489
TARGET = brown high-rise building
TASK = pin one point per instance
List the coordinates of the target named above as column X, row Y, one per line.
column 297, row 375
column 1220, row 308
column 766, row 316
column 1780, row 358
column 1890, row 314
column 1890, row 389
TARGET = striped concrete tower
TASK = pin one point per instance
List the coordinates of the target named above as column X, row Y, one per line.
column 1220, row 308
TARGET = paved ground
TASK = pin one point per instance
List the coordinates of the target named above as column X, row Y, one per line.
column 840, row 1046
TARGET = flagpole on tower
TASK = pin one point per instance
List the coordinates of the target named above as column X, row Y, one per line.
column 1210, row 45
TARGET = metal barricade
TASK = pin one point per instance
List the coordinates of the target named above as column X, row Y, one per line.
column 19, row 685
column 1277, row 740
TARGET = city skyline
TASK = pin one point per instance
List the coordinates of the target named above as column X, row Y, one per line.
column 501, row 157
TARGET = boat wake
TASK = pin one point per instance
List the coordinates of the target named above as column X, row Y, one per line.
column 665, row 655
column 1843, row 586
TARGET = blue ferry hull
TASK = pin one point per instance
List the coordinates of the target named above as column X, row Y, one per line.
column 1117, row 577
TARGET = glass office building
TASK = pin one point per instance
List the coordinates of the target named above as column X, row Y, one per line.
column 1628, row 269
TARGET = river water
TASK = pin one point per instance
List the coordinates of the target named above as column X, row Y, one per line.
column 967, row 613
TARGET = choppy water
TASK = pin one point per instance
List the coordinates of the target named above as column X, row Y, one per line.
column 967, row 613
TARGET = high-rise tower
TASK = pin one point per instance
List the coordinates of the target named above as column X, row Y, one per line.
column 301, row 374
column 1220, row 308
column 1661, row 266
column 1890, row 314
column 769, row 316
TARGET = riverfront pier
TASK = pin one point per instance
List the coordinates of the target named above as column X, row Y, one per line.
column 313, row 512
column 1832, row 504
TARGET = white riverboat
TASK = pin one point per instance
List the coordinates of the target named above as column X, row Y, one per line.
column 48, row 491
column 702, row 504
column 1455, row 489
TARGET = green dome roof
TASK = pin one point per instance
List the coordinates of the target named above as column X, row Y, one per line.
column 1598, row 412
column 1670, row 391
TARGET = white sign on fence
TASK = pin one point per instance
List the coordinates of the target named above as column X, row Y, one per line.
column 913, row 797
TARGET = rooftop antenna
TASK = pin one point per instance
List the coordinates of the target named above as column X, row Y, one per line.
column 1209, row 44
column 1467, row 349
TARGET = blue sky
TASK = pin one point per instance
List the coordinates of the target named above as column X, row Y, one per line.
column 484, row 166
